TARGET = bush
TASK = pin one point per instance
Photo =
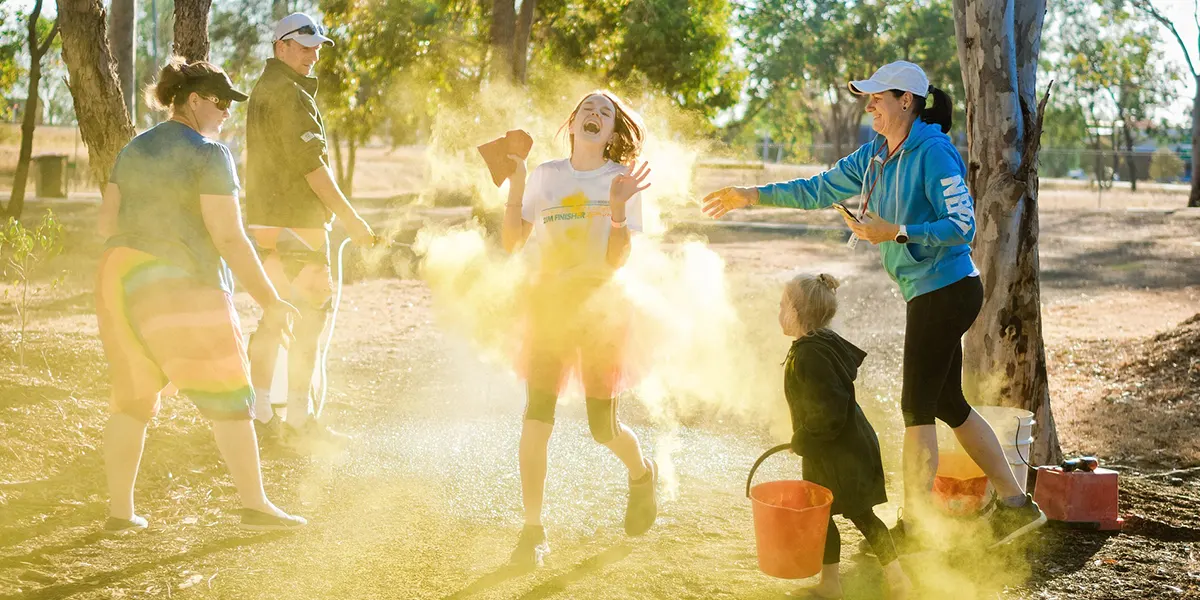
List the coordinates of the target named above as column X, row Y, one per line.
column 22, row 251
column 1165, row 165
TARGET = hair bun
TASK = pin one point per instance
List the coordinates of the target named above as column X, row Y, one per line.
column 830, row 281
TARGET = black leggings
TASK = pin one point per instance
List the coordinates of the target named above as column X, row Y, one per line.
column 935, row 324
column 872, row 528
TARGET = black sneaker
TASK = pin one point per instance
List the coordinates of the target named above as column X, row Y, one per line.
column 642, row 509
column 1009, row 523
column 257, row 520
column 120, row 526
column 531, row 549
column 269, row 433
column 902, row 539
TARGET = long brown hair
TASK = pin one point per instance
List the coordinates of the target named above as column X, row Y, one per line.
column 176, row 82
column 628, row 131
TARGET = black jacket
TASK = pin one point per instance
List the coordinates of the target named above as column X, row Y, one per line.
column 829, row 429
column 285, row 140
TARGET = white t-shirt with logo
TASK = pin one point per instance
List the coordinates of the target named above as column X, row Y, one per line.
column 571, row 218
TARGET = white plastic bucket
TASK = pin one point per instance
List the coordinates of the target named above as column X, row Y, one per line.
column 1012, row 425
column 1014, row 429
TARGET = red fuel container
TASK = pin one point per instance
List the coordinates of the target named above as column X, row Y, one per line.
column 1079, row 497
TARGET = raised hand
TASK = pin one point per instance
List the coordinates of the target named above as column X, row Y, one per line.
column 624, row 186
column 519, row 169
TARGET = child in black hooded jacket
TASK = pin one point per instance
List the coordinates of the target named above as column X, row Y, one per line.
column 838, row 444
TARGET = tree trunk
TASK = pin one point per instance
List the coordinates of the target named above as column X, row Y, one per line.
column 123, row 41
column 1005, row 358
column 835, row 114
column 1130, row 163
column 339, row 166
column 37, row 49
column 351, row 155
column 1194, row 196
column 279, row 10
column 103, row 121
column 191, row 29
column 521, row 43
column 504, row 17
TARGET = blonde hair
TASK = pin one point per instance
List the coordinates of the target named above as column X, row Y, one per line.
column 814, row 299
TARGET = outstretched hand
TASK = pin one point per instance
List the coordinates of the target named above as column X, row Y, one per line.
column 624, row 186
column 720, row 202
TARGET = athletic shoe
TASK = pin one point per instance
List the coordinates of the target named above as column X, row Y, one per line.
column 1009, row 523
column 902, row 539
column 120, row 526
column 269, row 433
column 257, row 520
column 642, row 509
column 532, row 548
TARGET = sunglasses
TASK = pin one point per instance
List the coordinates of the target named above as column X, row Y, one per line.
column 305, row 30
column 219, row 103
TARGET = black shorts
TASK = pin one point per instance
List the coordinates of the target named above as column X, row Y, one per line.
column 933, row 359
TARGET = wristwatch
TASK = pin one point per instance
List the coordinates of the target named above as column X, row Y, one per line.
column 902, row 235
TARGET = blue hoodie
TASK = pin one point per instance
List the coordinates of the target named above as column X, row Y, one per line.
column 922, row 186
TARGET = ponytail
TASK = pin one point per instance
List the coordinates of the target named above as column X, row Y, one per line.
column 936, row 109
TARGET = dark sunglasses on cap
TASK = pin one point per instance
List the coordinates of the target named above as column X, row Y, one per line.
column 305, row 30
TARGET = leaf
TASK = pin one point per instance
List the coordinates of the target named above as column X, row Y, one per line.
column 191, row 580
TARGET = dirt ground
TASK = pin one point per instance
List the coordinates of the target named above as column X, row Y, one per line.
column 426, row 502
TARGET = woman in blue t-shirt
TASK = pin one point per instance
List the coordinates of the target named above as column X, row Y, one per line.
column 164, row 302
column 917, row 209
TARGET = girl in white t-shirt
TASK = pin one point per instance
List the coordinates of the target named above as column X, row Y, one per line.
column 581, row 211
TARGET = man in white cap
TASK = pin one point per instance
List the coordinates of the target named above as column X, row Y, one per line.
column 291, row 202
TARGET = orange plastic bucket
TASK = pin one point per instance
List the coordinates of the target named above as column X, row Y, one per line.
column 960, row 487
column 791, row 519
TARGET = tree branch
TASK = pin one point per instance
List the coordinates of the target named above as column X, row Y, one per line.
column 1033, row 139
column 45, row 45
column 1144, row 6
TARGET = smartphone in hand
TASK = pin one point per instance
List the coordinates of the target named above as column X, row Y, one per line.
column 846, row 212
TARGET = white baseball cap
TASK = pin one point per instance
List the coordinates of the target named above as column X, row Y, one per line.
column 301, row 28
column 899, row 75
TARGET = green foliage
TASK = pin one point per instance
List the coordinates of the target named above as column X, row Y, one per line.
column 802, row 53
column 1165, row 165
column 12, row 44
column 1111, row 62
column 23, row 251
column 678, row 48
column 1111, row 67
column 394, row 64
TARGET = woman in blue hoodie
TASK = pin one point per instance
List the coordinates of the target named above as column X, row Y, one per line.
column 917, row 209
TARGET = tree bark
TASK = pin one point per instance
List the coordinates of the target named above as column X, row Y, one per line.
column 123, row 41
column 1005, row 358
column 503, row 33
column 37, row 49
column 1130, row 163
column 339, row 165
column 191, row 29
column 521, row 43
column 351, row 156
column 1194, row 196
column 103, row 120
